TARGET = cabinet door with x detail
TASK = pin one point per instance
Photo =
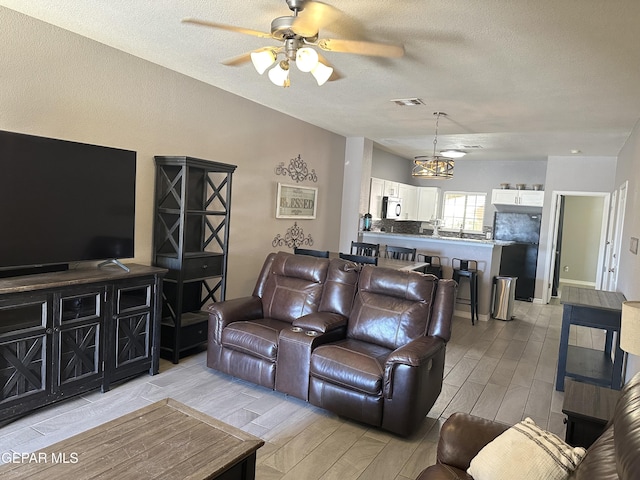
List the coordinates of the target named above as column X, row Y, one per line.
column 131, row 328
column 25, row 339
column 78, row 330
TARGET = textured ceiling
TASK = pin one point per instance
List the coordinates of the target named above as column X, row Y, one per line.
column 520, row 79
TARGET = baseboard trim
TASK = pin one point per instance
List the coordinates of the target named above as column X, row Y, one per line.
column 578, row 282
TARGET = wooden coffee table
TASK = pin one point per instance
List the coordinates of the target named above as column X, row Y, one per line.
column 166, row 440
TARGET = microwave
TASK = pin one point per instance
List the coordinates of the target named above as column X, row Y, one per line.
column 391, row 207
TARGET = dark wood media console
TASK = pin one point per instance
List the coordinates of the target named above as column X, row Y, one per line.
column 64, row 333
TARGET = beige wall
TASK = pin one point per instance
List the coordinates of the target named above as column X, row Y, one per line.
column 57, row 84
column 581, row 239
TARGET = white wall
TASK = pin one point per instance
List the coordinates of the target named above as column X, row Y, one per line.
column 472, row 175
column 57, row 84
column 390, row 167
column 629, row 264
column 569, row 174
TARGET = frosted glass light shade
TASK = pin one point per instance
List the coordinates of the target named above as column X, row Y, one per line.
column 321, row 73
column 279, row 75
column 263, row 60
column 306, row 59
column 630, row 328
column 453, row 153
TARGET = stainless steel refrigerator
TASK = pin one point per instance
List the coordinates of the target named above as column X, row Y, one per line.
column 521, row 258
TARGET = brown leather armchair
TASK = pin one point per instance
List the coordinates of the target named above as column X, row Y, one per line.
column 614, row 455
column 388, row 370
column 304, row 297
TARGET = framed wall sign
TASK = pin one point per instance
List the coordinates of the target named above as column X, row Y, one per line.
column 296, row 202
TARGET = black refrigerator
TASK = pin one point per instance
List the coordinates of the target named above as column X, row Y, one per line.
column 521, row 258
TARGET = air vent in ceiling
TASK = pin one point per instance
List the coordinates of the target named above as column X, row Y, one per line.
column 470, row 147
column 408, row 102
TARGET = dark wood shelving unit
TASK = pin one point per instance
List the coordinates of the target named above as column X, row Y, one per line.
column 191, row 237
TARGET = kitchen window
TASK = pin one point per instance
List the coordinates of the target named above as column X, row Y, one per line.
column 463, row 211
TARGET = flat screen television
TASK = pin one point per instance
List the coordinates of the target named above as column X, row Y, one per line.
column 63, row 202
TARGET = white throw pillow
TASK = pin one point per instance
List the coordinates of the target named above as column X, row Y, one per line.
column 526, row 452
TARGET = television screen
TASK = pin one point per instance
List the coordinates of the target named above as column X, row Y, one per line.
column 63, row 202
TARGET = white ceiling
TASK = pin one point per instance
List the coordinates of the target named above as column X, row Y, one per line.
column 521, row 79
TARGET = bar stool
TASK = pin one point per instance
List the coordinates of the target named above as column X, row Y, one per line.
column 363, row 248
column 435, row 265
column 400, row 253
column 467, row 269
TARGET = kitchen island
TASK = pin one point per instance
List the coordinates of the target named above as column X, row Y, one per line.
column 486, row 252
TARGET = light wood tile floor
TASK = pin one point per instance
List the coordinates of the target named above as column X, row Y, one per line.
column 497, row 370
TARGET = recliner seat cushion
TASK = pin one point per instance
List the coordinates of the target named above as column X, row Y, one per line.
column 256, row 337
column 351, row 364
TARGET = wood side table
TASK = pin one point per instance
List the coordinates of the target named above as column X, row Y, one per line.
column 594, row 309
column 588, row 409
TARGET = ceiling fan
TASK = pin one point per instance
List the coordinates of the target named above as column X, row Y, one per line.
column 298, row 33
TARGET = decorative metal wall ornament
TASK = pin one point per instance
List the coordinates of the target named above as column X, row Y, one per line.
column 297, row 170
column 294, row 237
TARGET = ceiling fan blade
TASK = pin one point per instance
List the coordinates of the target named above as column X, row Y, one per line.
column 361, row 48
column 231, row 28
column 314, row 17
column 237, row 61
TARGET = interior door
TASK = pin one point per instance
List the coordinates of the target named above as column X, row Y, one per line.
column 609, row 250
column 612, row 270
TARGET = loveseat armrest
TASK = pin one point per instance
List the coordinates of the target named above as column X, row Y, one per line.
column 222, row 314
column 411, row 384
column 416, row 352
column 321, row 322
column 462, row 436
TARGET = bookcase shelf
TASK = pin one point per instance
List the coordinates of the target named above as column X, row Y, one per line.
column 191, row 236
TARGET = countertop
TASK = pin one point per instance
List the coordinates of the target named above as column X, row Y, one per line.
column 477, row 242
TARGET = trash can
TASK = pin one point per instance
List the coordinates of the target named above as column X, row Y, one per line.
column 504, row 296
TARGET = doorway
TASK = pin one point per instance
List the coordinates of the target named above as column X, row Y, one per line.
column 579, row 240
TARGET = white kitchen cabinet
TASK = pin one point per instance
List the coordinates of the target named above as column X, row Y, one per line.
column 375, row 197
column 428, row 203
column 391, row 189
column 409, row 196
column 523, row 198
column 532, row 198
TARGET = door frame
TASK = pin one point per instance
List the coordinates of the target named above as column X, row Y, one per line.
column 553, row 237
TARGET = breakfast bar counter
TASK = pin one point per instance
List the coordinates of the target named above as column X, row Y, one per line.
column 486, row 252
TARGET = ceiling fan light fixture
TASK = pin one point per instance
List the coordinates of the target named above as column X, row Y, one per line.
column 279, row 75
column 306, row 59
column 263, row 60
column 321, row 73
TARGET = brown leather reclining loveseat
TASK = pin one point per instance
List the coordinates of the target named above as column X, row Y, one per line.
column 383, row 334
column 615, row 455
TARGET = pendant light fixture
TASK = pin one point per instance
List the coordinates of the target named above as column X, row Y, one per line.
column 434, row 166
